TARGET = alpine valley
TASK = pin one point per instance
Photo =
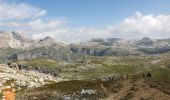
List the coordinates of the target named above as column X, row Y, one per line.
column 109, row 69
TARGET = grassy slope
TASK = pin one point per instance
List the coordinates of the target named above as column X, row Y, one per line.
column 94, row 67
column 5, row 52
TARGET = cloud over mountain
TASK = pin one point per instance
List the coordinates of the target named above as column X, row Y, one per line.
column 155, row 26
column 38, row 25
column 135, row 26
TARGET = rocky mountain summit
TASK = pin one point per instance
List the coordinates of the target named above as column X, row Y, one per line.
column 146, row 41
column 14, row 40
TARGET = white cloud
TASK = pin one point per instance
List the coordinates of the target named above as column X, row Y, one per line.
column 44, row 25
column 135, row 26
column 139, row 25
column 35, row 26
column 73, row 34
column 19, row 11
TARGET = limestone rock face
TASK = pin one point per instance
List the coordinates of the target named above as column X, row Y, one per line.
column 14, row 40
column 19, row 78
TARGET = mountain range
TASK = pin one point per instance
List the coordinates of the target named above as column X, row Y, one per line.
column 16, row 46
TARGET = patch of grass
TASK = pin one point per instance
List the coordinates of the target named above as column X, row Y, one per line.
column 123, row 69
column 94, row 67
column 161, row 72
column 8, row 82
column 43, row 61
column 1, row 95
column 74, row 88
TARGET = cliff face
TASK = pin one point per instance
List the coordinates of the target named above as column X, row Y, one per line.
column 40, row 69
column 27, row 55
column 14, row 40
column 23, row 78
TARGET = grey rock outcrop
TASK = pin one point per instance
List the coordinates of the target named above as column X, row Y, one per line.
column 23, row 78
column 41, row 69
column 14, row 40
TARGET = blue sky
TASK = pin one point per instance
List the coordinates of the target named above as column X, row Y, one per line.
column 98, row 12
column 81, row 20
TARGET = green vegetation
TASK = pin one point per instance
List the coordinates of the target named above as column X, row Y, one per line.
column 80, row 74
column 9, row 82
column 6, row 52
column 93, row 67
column 161, row 72
column 74, row 88
column 1, row 95
column 41, row 62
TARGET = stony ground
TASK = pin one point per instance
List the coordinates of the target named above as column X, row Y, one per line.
column 23, row 79
column 140, row 89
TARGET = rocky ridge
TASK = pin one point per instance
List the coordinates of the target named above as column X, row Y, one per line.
column 24, row 79
column 48, row 47
column 14, row 40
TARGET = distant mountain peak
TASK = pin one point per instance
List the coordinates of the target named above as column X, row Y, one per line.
column 146, row 38
column 47, row 41
column 48, row 38
column 112, row 40
column 96, row 40
column 17, row 35
column 14, row 40
column 145, row 41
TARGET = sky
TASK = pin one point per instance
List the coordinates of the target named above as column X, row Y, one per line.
column 82, row 20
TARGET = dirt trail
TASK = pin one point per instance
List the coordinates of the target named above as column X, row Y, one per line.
column 138, row 90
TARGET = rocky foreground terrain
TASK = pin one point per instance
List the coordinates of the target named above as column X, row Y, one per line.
column 138, row 89
column 31, row 85
column 22, row 79
column 45, row 69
